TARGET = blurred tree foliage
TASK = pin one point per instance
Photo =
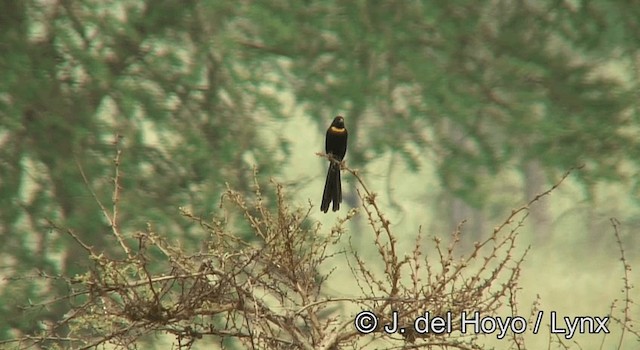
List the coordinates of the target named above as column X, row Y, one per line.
column 168, row 76
column 480, row 84
column 474, row 86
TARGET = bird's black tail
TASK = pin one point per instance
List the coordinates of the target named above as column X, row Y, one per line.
column 332, row 189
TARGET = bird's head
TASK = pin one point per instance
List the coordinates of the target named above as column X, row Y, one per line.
column 338, row 122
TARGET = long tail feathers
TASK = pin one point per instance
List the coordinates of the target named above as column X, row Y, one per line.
column 337, row 194
column 332, row 189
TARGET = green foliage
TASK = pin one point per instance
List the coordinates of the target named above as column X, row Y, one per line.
column 498, row 83
column 163, row 76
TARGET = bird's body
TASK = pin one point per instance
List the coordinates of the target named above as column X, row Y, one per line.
column 335, row 147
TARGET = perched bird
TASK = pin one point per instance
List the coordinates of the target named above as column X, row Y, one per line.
column 336, row 147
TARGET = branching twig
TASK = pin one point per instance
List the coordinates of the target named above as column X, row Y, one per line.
column 111, row 218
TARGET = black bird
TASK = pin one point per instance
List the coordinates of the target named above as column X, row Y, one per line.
column 336, row 147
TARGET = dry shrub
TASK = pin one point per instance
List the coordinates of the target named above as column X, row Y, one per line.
column 267, row 292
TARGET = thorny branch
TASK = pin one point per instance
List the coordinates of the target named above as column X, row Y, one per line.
column 267, row 291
